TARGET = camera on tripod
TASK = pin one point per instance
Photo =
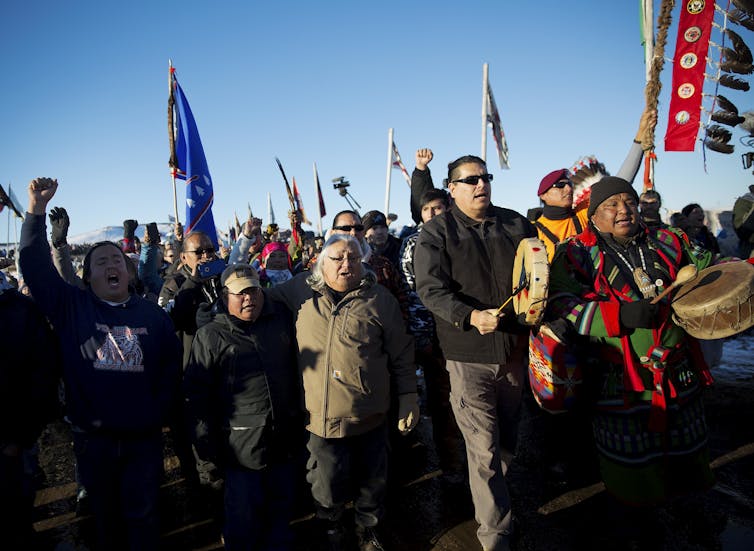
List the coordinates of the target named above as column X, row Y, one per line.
column 340, row 183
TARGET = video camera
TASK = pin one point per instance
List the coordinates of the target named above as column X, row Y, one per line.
column 340, row 183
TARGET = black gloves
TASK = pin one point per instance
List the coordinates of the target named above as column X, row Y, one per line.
column 153, row 234
column 639, row 314
column 129, row 227
column 59, row 222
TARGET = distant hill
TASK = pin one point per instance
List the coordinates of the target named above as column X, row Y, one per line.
column 115, row 233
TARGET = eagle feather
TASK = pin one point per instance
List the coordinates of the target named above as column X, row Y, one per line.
column 735, row 83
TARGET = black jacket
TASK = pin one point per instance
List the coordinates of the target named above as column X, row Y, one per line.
column 462, row 265
column 29, row 370
column 242, row 389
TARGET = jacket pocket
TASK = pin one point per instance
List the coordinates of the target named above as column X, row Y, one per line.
column 247, row 440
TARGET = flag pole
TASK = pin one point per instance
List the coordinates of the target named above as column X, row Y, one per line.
column 171, row 138
column 316, row 194
column 485, row 80
column 389, row 169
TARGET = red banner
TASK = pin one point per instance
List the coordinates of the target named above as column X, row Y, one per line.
column 689, row 62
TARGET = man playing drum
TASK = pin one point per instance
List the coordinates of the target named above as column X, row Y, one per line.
column 463, row 261
column 646, row 372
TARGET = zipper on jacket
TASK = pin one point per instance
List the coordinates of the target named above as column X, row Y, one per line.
column 328, row 373
column 490, row 256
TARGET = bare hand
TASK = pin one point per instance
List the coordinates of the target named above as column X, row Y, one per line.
column 423, row 158
column 484, row 320
column 178, row 230
column 252, row 227
column 41, row 191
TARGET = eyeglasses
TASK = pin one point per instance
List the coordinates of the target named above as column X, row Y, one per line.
column 209, row 251
column 561, row 185
column 249, row 292
column 357, row 227
column 473, row 180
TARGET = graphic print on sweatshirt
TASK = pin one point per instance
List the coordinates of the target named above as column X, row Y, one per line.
column 121, row 349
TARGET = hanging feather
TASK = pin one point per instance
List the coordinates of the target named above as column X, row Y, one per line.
column 742, row 50
column 725, row 117
column 742, row 18
column 718, row 133
column 746, row 6
column 720, row 147
column 732, row 64
column 726, row 105
column 729, row 81
column 586, row 172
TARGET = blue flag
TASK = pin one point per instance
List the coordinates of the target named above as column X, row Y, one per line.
column 192, row 167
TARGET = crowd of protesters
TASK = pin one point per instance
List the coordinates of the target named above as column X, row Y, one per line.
column 272, row 362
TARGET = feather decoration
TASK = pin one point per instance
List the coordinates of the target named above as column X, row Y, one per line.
column 718, row 133
column 746, row 6
column 732, row 64
column 725, row 117
column 586, row 172
column 726, row 105
column 720, row 147
column 741, row 18
column 729, row 81
column 742, row 50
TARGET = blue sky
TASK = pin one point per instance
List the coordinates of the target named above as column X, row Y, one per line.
column 85, row 99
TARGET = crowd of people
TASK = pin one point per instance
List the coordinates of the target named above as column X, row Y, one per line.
column 276, row 362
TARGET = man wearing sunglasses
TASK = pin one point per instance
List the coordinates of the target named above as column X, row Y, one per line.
column 464, row 270
column 181, row 295
column 559, row 220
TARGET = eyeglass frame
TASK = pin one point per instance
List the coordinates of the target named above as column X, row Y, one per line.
column 203, row 251
column 348, row 228
column 474, row 180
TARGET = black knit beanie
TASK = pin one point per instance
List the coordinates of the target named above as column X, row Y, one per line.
column 607, row 187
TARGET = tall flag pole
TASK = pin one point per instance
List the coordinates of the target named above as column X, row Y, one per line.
column 485, row 85
column 397, row 163
column 321, row 206
column 173, row 161
column 389, row 169
column 493, row 119
column 192, row 167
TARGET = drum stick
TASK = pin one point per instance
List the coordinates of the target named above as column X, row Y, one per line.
column 516, row 291
column 687, row 273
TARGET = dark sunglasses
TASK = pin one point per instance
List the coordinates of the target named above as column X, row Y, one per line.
column 357, row 227
column 200, row 252
column 472, row 180
column 561, row 185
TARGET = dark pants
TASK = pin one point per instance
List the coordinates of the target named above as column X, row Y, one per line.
column 342, row 467
column 16, row 502
column 259, row 508
column 122, row 477
column 445, row 433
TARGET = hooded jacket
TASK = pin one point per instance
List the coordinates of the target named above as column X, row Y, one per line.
column 242, row 389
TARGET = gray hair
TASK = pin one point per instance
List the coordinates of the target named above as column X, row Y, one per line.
column 317, row 280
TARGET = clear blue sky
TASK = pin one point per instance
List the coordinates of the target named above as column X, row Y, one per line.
column 84, row 99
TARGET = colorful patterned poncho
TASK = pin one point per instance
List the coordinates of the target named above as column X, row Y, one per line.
column 648, row 421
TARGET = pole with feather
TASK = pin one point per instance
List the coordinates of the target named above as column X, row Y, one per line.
column 653, row 86
column 292, row 203
column 173, row 161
